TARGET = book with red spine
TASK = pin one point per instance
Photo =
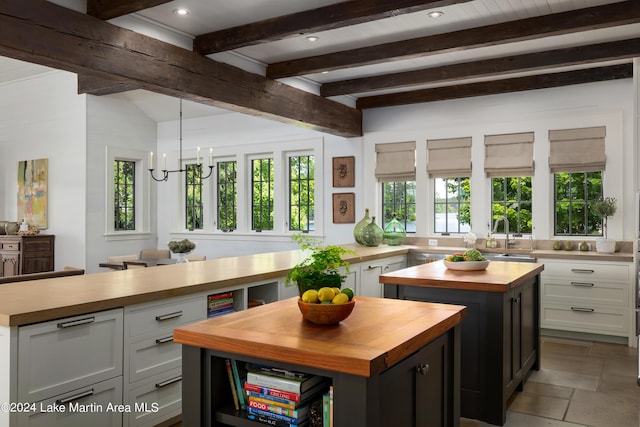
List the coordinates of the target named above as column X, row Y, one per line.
column 271, row 400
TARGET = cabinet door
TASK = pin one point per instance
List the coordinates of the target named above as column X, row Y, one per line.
column 370, row 280
column 10, row 264
column 95, row 406
column 520, row 332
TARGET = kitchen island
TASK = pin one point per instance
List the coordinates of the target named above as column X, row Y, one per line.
column 500, row 335
column 390, row 362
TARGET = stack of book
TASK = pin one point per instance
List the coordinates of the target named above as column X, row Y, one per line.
column 218, row 304
column 282, row 398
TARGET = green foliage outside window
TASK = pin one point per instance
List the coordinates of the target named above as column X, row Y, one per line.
column 262, row 194
column 194, row 207
column 512, row 197
column 456, row 200
column 399, row 197
column 301, row 193
column 124, row 202
column 575, row 193
column 227, row 196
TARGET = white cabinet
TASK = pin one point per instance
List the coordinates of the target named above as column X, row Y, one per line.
column 586, row 296
column 60, row 356
column 369, row 273
column 153, row 362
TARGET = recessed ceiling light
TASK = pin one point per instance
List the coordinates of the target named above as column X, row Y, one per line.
column 435, row 14
column 313, row 38
column 181, row 11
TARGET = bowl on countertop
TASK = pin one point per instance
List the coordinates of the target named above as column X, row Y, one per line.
column 325, row 314
column 466, row 265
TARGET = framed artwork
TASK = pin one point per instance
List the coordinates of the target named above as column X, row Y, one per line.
column 344, row 208
column 33, row 191
column 344, row 171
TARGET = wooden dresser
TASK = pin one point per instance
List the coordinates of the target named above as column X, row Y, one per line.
column 26, row 254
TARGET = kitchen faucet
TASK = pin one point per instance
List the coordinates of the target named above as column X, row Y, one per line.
column 507, row 242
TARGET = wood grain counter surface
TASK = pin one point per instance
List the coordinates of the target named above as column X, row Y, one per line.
column 500, row 276
column 48, row 299
column 378, row 334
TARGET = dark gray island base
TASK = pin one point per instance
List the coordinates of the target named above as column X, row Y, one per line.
column 500, row 335
column 391, row 363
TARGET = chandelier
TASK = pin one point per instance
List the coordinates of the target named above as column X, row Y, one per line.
column 198, row 166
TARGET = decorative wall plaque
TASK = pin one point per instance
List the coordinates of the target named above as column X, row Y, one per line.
column 344, row 208
column 344, row 171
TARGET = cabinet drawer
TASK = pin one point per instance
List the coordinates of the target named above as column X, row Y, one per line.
column 160, row 395
column 67, row 354
column 10, row 246
column 150, row 318
column 584, row 318
column 585, row 292
column 584, row 271
column 93, row 406
column 153, row 356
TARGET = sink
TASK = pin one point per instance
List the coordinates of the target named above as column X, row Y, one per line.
column 509, row 257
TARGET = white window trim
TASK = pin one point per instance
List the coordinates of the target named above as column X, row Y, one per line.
column 213, row 194
column 142, row 195
column 287, row 205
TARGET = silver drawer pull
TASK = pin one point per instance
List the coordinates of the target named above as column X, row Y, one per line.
column 582, row 309
column 169, row 382
column 164, row 340
column 169, row 316
column 371, row 267
column 582, row 270
column 78, row 322
column 583, row 284
column 74, row 397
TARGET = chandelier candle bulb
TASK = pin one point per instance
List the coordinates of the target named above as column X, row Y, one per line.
column 164, row 161
column 198, row 156
column 210, row 156
column 151, row 160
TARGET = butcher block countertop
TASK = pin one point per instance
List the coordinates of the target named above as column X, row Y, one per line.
column 35, row 301
column 378, row 334
column 499, row 276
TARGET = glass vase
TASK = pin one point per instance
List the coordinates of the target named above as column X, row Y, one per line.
column 357, row 230
column 394, row 232
column 181, row 257
column 372, row 234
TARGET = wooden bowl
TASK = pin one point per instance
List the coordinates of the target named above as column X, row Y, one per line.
column 325, row 314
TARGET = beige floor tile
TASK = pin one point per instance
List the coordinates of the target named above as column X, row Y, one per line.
column 604, row 409
column 548, row 390
column 566, row 379
column 551, row 346
column 578, row 364
column 544, row 406
column 516, row 419
column 599, row 349
column 620, row 369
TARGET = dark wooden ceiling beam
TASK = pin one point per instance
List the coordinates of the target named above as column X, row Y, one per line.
column 108, row 9
column 517, row 84
column 623, row 13
column 99, row 86
column 623, row 49
column 44, row 33
column 309, row 21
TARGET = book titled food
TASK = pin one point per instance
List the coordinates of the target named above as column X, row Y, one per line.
column 293, row 384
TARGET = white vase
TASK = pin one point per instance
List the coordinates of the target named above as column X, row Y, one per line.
column 605, row 246
column 181, row 257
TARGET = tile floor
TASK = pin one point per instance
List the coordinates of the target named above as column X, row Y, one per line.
column 580, row 384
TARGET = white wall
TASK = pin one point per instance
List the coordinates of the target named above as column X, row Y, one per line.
column 44, row 117
column 607, row 103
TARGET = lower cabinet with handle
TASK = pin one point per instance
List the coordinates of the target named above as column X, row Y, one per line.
column 588, row 297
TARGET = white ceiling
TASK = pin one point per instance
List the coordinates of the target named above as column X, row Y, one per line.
column 211, row 15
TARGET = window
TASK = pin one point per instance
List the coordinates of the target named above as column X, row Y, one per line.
column 301, row 193
column 399, row 197
column 511, row 197
column 262, row 194
column 227, row 195
column 194, row 207
column 124, row 203
column 574, row 191
column 452, row 205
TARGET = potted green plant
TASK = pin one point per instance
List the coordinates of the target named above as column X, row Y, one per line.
column 321, row 268
column 181, row 248
column 604, row 208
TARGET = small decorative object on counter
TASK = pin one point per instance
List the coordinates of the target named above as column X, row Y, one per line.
column 23, row 225
column 584, row 246
column 568, row 245
column 181, row 249
column 470, row 239
column 372, row 234
column 557, row 245
column 394, row 232
column 357, row 230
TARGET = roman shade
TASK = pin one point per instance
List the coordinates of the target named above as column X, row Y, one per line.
column 396, row 161
column 509, row 155
column 577, row 150
column 449, row 158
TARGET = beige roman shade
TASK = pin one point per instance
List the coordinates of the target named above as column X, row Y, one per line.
column 577, row 150
column 509, row 155
column 396, row 161
column 449, row 158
